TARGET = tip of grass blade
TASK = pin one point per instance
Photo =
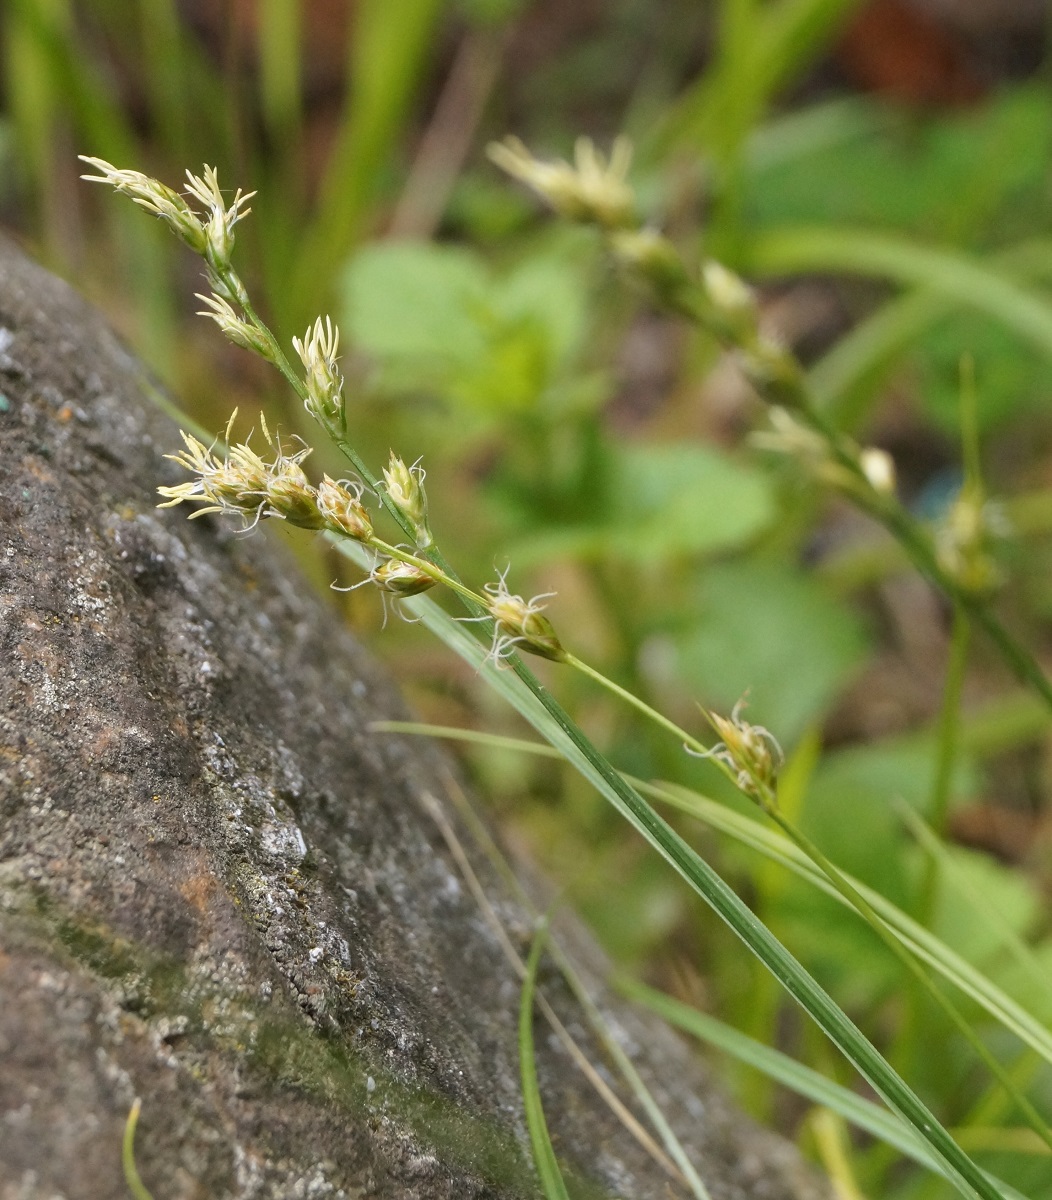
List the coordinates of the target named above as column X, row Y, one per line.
column 131, row 1174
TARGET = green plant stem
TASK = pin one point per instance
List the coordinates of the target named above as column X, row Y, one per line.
column 437, row 573
column 948, row 736
column 651, row 714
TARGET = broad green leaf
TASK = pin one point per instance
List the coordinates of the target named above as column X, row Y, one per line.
column 666, row 501
column 437, row 319
column 1009, row 894
column 847, row 814
column 771, row 632
column 416, row 301
column 547, row 291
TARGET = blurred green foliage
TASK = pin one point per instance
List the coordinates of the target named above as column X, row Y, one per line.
column 602, row 451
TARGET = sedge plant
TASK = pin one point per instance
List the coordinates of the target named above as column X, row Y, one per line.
column 268, row 481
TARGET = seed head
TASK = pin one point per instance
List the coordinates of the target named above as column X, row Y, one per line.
column 317, row 350
column 770, row 367
column 749, row 753
column 405, row 487
column 245, row 484
column 965, row 539
column 521, row 623
column 651, row 255
column 291, row 496
column 237, row 330
column 731, row 297
column 594, row 190
column 209, row 234
column 879, row 469
column 813, row 452
column 400, row 578
column 342, row 509
column 155, row 197
column 221, row 217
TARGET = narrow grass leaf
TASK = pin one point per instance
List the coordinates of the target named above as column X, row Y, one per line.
column 777, row 848
column 980, row 906
column 802, row 1080
column 388, row 49
column 887, row 333
column 543, row 1155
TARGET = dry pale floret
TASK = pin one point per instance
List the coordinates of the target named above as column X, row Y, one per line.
column 341, row 507
column 210, row 234
column 965, row 538
column 650, row 253
column 244, row 484
column 290, row 496
column 879, row 468
column 155, row 197
column 400, row 578
column 729, row 294
column 521, row 624
column 239, row 331
column 750, row 754
column 593, row 189
column 222, row 217
column 317, row 350
column 405, row 487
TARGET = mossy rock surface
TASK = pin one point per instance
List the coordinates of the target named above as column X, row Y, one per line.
column 219, row 891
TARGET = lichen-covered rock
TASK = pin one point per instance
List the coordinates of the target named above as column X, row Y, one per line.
column 219, row 890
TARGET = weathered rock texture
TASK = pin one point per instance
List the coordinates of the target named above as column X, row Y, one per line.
column 218, row 890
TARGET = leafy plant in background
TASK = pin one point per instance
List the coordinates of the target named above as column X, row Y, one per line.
column 253, row 486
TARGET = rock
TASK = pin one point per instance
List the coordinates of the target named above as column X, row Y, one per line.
column 219, row 890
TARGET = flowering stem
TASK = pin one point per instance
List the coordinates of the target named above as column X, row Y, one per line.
column 628, row 697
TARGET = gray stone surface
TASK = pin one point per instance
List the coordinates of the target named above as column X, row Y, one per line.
column 218, row 890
